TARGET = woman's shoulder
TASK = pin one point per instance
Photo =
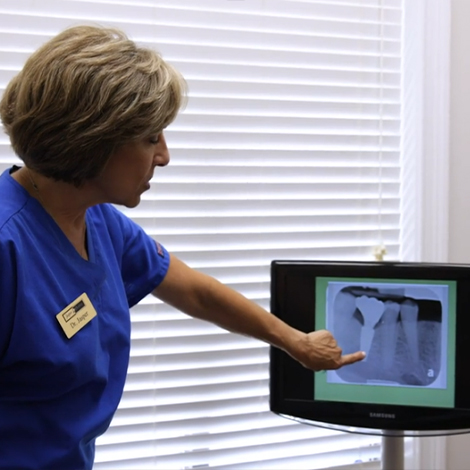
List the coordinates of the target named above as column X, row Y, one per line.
column 13, row 200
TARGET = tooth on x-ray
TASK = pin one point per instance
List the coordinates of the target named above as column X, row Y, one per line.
column 372, row 311
column 389, row 339
column 409, row 320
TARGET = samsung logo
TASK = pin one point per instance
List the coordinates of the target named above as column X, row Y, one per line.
column 382, row 415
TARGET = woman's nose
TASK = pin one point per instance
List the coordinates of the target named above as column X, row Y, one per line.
column 162, row 155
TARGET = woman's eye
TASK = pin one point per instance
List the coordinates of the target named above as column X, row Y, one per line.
column 155, row 140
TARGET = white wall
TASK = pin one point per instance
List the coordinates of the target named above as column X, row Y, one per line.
column 459, row 223
column 458, row 447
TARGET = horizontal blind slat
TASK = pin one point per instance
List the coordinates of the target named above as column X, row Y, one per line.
column 192, row 122
column 353, row 251
column 241, row 226
column 165, row 430
column 231, row 439
column 319, row 205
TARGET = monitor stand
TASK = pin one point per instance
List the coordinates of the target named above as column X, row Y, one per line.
column 393, row 451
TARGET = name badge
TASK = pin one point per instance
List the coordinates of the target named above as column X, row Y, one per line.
column 76, row 315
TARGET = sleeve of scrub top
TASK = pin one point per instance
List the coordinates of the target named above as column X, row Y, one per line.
column 144, row 261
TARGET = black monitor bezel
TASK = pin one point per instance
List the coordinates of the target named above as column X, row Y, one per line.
column 291, row 385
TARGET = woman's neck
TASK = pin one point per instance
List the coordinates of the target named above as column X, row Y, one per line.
column 65, row 203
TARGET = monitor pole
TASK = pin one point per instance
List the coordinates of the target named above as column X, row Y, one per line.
column 393, row 451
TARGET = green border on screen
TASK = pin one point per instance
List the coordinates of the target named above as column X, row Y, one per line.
column 382, row 394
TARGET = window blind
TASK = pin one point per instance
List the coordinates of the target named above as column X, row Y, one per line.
column 289, row 148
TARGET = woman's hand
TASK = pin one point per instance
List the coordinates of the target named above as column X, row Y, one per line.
column 319, row 350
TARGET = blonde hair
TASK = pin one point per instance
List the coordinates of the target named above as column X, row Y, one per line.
column 83, row 94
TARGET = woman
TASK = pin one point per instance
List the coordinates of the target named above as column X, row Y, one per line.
column 86, row 116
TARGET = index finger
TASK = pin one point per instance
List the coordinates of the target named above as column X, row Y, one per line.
column 352, row 358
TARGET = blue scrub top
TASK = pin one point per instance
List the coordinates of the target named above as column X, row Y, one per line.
column 57, row 394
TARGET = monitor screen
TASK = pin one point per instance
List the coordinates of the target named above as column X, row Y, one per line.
column 412, row 320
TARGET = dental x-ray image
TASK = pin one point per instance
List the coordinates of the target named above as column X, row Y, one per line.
column 399, row 326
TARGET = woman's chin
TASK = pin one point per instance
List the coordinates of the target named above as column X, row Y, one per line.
column 131, row 201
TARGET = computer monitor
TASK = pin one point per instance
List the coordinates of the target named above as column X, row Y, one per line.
column 412, row 320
